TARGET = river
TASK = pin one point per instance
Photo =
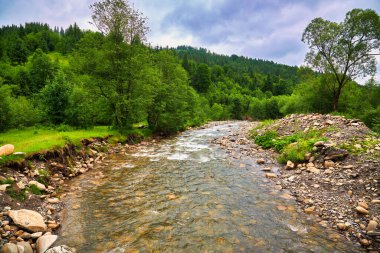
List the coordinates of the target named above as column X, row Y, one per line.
column 185, row 194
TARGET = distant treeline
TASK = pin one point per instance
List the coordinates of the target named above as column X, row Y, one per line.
column 83, row 78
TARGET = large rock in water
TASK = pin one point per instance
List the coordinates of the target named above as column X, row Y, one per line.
column 28, row 219
column 61, row 249
column 7, row 149
column 44, row 242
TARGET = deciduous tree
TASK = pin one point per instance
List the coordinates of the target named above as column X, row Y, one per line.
column 344, row 50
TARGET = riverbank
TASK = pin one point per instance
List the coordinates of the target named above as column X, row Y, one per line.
column 338, row 182
column 36, row 180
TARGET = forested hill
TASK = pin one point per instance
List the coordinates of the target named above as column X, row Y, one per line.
column 238, row 64
column 56, row 76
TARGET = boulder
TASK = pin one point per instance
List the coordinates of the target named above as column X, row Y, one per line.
column 9, row 248
column 44, row 242
column 61, row 249
column 336, row 154
column 7, row 149
column 26, row 246
column 28, row 219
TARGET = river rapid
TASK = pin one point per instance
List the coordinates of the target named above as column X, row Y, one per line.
column 185, row 194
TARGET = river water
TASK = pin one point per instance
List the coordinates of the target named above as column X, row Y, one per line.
column 185, row 194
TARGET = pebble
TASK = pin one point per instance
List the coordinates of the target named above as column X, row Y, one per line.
column 365, row 242
column 363, row 204
column 289, row 165
column 310, row 210
column 372, row 225
column 361, row 210
column 260, row 161
column 270, row 175
column 341, row 226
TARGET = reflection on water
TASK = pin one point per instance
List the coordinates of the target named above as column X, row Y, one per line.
column 184, row 195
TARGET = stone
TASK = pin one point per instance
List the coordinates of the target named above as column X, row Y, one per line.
column 270, row 175
column 375, row 201
column 319, row 144
column 363, row 204
column 6, row 149
column 9, row 248
column 289, row 165
column 327, row 164
column 3, row 187
column 260, row 161
column 20, row 185
column 361, row 210
column 38, row 185
column 310, row 210
column 372, row 225
column 336, row 154
column 266, row 169
column 341, row 226
column 28, row 219
column 61, row 249
column 44, row 242
column 36, row 235
column 365, row 242
column 53, row 200
column 314, row 170
column 26, row 246
column 19, row 153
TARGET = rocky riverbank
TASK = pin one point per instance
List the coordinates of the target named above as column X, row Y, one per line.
column 339, row 180
column 31, row 193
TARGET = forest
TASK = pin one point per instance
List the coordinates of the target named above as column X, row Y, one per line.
column 74, row 78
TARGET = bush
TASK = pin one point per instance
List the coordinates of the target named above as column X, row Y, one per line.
column 296, row 151
column 23, row 112
column 55, row 99
column 267, row 139
column 292, row 147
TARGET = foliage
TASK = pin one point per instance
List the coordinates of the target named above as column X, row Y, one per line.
column 5, row 115
column 119, row 17
column 343, row 51
column 34, row 190
column 292, row 147
column 55, row 99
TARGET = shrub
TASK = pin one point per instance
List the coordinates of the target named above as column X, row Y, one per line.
column 267, row 139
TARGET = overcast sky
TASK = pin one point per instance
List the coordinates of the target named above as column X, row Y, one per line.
column 266, row 29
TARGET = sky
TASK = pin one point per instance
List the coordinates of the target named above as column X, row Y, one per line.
column 265, row 29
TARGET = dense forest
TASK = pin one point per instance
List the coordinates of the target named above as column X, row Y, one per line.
column 72, row 77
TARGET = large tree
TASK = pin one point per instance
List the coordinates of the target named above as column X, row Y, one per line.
column 118, row 16
column 343, row 50
column 122, row 71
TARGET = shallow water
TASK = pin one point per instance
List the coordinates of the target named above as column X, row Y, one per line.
column 186, row 195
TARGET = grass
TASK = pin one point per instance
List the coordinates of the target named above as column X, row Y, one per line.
column 292, row 147
column 33, row 140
